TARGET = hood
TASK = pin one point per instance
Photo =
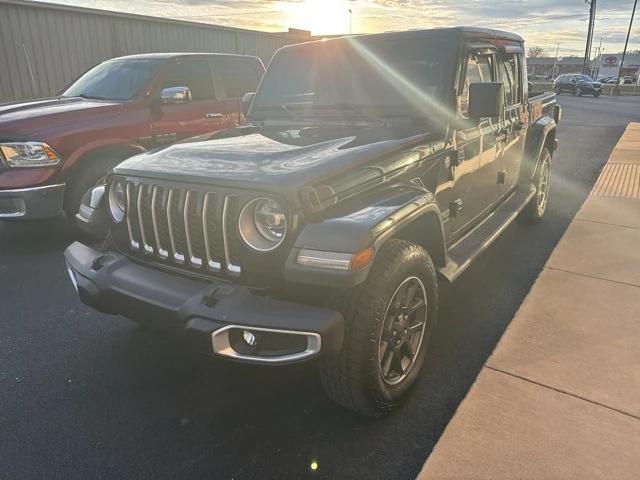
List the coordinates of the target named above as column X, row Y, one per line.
column 280, row 162
column 18, row 120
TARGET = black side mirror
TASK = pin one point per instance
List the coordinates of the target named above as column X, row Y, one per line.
column 246, row 102
column 486, row 99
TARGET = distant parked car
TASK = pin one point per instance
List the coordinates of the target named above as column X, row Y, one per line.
column 627, row 80
column 577, row 84
column 54, row 150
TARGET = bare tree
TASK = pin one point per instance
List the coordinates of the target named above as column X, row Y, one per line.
column 537, row 52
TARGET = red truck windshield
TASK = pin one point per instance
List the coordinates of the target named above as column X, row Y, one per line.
column 115, row 79
column 390, row 76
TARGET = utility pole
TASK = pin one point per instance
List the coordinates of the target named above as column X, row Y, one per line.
column 350, row 20
column 598, row 59
column 555, row 63
column 587, row 50
column 616, row 89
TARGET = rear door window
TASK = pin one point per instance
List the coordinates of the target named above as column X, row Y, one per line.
column 510, row 71
column 237, row 75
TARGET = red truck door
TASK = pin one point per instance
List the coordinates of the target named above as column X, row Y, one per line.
column 233, row 77
column 203, row 114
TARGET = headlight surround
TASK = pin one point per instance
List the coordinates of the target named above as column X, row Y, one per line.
column 29, row 155
column 263, row 224
column 118, row 200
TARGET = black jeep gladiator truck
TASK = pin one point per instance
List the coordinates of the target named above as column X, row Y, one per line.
column 370, row 169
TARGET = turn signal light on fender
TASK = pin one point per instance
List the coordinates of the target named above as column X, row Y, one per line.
column 361, row 259
column 334, row 260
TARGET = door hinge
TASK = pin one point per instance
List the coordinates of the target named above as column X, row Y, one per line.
column 455, row 207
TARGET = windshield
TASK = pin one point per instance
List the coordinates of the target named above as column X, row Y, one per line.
column 357, row 77
column 115, row 79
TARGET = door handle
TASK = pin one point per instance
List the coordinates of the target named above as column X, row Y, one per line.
column 214, row 115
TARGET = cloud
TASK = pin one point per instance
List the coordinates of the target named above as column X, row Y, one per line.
column 541, row 22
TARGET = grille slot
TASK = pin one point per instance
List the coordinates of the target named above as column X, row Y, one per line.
column 184, row 226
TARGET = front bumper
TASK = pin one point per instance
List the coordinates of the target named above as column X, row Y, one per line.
column 208, row 314
column 31, row 203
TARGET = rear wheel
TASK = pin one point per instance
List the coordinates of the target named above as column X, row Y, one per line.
column 388, row 321
column 577, row 92
column 597, row 94
column 538, row 205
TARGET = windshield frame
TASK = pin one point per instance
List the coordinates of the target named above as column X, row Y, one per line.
column 270, row 110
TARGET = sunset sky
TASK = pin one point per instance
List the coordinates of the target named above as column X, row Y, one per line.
column 541, row 22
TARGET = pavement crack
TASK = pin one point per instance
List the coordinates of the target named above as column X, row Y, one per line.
column 607, row 223
column 564, row 392
column 593, row 276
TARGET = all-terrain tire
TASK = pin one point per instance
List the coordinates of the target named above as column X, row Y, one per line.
column 352, row 377
column 533, row 212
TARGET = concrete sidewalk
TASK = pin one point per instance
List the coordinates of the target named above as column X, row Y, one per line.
column 560, row 395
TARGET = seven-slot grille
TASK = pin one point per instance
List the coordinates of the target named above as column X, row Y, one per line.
column 184, row 226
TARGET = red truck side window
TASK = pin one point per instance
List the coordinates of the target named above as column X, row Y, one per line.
column 195, row 75
column 238, row 75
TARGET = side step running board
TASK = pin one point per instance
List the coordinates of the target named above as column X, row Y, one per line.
column 465, row 250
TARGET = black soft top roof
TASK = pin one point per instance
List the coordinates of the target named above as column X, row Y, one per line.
column 454, row 32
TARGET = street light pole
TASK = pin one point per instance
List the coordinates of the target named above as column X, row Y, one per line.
column 616, row 89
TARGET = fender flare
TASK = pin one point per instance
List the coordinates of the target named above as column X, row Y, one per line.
column 540, row 134
column 105, row 145
column 368, row 222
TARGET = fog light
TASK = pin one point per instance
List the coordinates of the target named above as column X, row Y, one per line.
column 249, row 338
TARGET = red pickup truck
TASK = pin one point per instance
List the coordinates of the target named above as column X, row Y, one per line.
column 52, row 151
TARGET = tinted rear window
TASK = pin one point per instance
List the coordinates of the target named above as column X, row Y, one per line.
column 238, row 75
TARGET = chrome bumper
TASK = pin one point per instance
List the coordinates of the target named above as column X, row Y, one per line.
column 31, row 203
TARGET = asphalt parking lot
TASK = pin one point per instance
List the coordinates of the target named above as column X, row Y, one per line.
column 84, row 395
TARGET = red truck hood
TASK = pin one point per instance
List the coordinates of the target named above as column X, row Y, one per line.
column 21, row 119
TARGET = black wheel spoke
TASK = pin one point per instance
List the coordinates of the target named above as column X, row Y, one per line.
column 417, row 305
column 415, row 327
column 410, row 293
column 387, row 358
column 406, row 349
column 396, row 363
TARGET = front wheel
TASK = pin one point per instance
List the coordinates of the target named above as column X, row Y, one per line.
column 388, row 321
column 596, row 95
column 577, row 92
column 557, row 90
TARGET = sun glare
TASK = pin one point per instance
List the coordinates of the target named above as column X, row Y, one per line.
column 322, row 17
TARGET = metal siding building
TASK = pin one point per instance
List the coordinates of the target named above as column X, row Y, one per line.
column 45, row 46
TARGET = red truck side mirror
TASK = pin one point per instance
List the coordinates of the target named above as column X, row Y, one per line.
column 175, row 95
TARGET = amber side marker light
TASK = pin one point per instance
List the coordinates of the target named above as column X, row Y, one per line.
column 335, row 260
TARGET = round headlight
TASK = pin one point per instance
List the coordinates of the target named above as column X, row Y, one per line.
column 263, row 224
column 118, row 200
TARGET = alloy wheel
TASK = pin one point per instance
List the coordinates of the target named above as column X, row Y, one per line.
column 543, row 189
column 402, row 331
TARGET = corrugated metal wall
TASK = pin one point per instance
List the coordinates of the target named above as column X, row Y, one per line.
column 43, row 47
